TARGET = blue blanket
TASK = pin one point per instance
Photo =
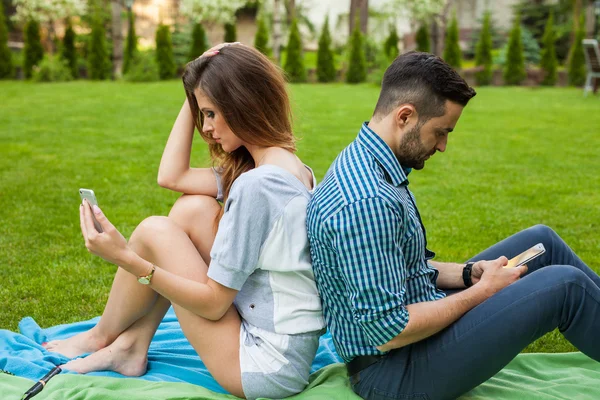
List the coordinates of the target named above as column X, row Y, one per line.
column 170, row 358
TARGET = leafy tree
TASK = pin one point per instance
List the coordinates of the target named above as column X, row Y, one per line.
column 357, row 63
column 390, row 46
column 294, row 63
column 514, row 69
column 325, row 61
column 549, row 62
column 452, row 52
column 164, row 53
column 199, row 45
column 230, row 32
column 261, row 40
column 6, row 65
column 130, row 42
column 483, row 52
column 69, row 53
column 32, row 49
column 422, row 38
column 98, row 55
column 576, row 65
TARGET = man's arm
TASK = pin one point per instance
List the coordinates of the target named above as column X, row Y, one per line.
column 450, row 276
column 428, row 318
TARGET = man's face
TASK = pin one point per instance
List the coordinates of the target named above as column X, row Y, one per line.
column 423, row 140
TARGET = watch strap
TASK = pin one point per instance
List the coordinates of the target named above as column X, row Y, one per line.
column 466, row 274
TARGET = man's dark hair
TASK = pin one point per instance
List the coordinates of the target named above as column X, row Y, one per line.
column 423, row 80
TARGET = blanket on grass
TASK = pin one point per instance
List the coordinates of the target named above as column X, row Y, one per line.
column 173, row 364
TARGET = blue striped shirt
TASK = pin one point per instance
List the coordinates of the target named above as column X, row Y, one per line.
column 368, row 247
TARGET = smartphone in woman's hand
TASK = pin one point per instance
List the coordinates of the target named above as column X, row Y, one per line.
column 89, row 195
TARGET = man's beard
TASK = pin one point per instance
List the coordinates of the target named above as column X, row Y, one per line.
column 411, row 153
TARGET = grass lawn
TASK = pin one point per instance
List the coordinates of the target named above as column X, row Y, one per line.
column 518, row 157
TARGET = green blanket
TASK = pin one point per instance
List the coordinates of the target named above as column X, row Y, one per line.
column 529, row 376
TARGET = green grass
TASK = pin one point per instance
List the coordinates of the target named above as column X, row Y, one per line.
column 517, row 158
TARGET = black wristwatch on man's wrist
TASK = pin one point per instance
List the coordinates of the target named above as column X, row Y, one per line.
column 466, row 274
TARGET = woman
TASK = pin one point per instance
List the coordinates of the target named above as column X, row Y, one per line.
column 254, row 317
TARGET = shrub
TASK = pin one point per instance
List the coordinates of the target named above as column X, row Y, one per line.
column 33, row 48
column 576, row 65
column 325, row 61
column 390, row 46
column 514, row 70
column 6, row 64
column 181, row 39
column 483, row 53
column 130, row 42
column 69, row 54
column 294, row 62
column 261, row 40
column 199, row 45
column 531, row 49
column 452, row 52
column 357, row 63
column 52, row 69
column 549, row 62
column 98, row 55
column 164, row 53
column 143, row 68
column 230, row 33
column 422, row 38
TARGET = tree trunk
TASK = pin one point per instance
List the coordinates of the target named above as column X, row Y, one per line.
column 438, row 29
column 276, row 31
column 290, row 7
column 117, row 37
column 362, row 8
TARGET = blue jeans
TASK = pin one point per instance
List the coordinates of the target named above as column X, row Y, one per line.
column 559, row 291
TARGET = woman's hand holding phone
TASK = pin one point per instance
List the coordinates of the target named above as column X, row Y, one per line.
column 108, row 243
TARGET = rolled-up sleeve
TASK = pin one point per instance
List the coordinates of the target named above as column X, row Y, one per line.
column 367, row 237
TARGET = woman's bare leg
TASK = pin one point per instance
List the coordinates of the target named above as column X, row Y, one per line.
column 129, row 301
column 161, row 241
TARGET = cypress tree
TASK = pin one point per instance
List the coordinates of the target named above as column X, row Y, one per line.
column 230, row 33
column 514, row 69
column 357, row 63
column 325, row 64
column 6, row 65
column 97, row 52
column 452, row 52
column 261, row 40
column 549, row 61
column 576, row 65
column 69, row 54
column 422, row 38
column 483, row 52
column 164, row 53
column 130, row 43
column 294, row 62
column 390, row 46
column 199, row 45
column 32, row 49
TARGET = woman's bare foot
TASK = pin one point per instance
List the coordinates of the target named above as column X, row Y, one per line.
column 85, row 342
column 121, row 356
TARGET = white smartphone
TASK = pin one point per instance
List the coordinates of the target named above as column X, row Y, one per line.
column 526, row 256
column 89, row 195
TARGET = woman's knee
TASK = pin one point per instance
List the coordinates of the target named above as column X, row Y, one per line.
column 190, row 209
column 152, row 227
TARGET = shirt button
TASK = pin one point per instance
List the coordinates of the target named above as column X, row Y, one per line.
column 252, row 306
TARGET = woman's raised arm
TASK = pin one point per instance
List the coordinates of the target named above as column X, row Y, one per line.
column 174, row 172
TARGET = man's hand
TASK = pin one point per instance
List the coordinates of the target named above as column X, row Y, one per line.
column 494, row 276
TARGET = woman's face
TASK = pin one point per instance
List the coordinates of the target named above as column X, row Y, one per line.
column 215, row 125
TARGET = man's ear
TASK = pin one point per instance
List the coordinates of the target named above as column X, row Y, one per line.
column 405, row 114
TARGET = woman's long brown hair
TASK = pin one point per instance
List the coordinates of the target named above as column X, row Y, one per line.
column 249, row 91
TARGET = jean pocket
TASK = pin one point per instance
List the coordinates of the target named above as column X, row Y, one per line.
column 382, row 395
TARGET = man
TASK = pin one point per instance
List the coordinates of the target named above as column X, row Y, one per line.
column 399, row 333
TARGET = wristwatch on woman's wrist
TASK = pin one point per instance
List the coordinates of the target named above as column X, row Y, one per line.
column 146, row 279
column 466, row 274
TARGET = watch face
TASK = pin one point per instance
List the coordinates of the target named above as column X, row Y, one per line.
column 144, row 280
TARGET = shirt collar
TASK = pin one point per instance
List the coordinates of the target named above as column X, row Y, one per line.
column 383, row 154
